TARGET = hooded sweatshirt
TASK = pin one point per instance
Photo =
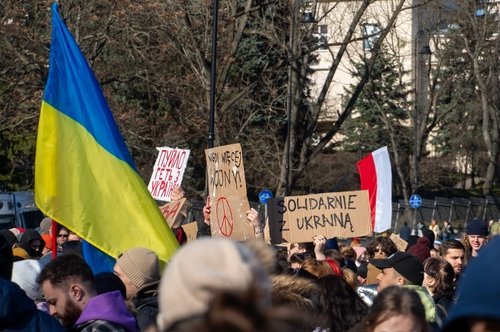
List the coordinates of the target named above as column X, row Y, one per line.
column 19, row 313
column 108, row 307
column 29, row 236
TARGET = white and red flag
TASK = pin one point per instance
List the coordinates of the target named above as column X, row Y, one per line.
column 376, row 177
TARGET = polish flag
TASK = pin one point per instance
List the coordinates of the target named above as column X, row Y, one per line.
column 376, row 177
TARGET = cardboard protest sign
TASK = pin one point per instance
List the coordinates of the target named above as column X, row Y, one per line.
column 227, row 191
column 400, row 243
column 299, row 218
column 172, row 212
column 191, row 230
column 167, row 172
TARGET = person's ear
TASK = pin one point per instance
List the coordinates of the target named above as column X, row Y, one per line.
column 431, row 282
column 400, row 280
column 77, row 292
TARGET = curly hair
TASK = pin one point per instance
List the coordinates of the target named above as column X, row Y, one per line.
column 386, row 244
column 468, row 248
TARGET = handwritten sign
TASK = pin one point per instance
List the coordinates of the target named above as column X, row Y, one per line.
column 191, row 230
column 228, row 192
column 299, row 218
column 172, row 212
column 167, row 172
column 399, row 242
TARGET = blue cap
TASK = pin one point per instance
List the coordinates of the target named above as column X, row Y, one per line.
column 477, row 227
column 478, row 288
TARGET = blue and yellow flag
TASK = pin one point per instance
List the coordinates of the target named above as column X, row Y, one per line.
column 85, row 178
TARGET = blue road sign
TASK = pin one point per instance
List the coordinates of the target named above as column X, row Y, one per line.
column 415, row 201
column 265, row 195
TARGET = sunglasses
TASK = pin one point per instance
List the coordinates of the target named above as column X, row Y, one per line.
column 62, row 235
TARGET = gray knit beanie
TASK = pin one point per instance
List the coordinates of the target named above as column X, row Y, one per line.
column 140, row 265
column 206, row 267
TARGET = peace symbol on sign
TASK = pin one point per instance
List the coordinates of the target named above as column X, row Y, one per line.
column 224, row 216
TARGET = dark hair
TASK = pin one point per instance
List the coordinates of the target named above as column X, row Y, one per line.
column 340, row 304
column 297, row 258
column 108, row 282
column 450, row 244
column 60, row 228
column 65, row 269
column 348, row 252
column 307, row 246
column 281, row 261
column 388, row 246
column 394, row 301
column 443, row 273
column 335, row 255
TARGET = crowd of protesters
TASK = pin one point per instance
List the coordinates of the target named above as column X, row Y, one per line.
column 436, row 283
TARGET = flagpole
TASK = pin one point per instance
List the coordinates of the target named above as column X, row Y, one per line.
column 344, row 178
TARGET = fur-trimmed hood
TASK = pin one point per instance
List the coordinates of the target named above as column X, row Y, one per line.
column 295, row 291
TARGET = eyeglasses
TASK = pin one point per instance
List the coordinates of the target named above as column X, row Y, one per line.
column 62, row 235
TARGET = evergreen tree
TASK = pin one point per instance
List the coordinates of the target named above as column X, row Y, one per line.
column 382, row 109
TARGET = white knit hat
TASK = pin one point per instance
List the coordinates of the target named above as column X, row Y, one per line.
column 24, row 274
column 206, row 267
column 140, row 265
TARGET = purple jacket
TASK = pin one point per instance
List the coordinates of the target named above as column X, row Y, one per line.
column 108, row 307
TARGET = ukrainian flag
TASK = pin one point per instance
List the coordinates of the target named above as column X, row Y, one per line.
column 85, row 178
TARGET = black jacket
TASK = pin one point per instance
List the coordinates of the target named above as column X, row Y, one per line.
column 146, row 305
column 19, row 313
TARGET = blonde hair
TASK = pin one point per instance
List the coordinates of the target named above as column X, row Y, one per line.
column 350, row 277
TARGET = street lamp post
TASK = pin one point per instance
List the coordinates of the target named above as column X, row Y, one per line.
column 307, row 18
column 420, row 97
column 420, row 104
column 213, row 73
column 290, row 86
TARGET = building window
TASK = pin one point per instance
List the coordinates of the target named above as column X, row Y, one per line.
column 321, row 36
column 371, row 32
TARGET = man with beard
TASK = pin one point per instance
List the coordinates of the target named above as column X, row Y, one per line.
column 68, row 285
column 18, row 312
column 453, row 251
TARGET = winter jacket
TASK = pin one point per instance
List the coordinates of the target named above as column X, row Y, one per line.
column 146, row 305
column 106, row 312
column 427, row 301
column 19, row 313
column 295, row 291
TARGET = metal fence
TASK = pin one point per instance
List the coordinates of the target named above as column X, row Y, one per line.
column 457, row 210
